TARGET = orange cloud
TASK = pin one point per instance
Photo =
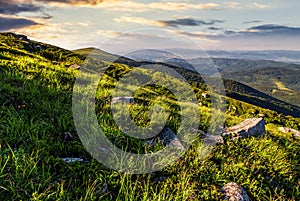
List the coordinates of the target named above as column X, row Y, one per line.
column 139, row 20
column 133, row 6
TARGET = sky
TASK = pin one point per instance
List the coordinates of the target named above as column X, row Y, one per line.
column 212, row 25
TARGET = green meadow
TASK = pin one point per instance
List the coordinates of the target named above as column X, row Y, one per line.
column 37, row 131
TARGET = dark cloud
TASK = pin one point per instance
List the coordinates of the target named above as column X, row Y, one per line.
column 273, row 28
column 13, row 7
column 7, row 24
column 198, row 34
column 188, row 22
column 268, row 30
column 262, row 33
column 73, row 2
column 269, row 36
column 215, row 28
column 254, row 21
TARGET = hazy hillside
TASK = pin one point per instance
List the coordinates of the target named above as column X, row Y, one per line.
column 286, row 56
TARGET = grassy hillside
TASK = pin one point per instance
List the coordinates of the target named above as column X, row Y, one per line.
column 37, row 131
column 278, row 82
column 232, row 70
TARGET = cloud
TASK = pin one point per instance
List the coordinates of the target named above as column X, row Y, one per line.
column 7, row 23
column 259, row 5
column 233, row 5
column 269, row 36
column 15, row 6
column 259, row 32
column 254, row 21
column 18, row 7
column 254, row 5
column 108, row 33
column 198, row 34
column 133, row 6
column 52, row 33
column 273, row 28
column 215, row 28
column 85, row 24
column 166, row 23
column 72, row 2
column 138, row 20
column 189, row 22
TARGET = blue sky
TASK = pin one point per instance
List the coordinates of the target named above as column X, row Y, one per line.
column 228, row 25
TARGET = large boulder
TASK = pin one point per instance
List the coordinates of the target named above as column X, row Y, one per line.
column 234, row 192
column 249, row 127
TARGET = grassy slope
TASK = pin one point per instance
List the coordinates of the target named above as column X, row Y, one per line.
column 286, row 75
column 37, row 129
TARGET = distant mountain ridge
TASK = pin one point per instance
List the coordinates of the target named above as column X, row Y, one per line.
column 288, row 56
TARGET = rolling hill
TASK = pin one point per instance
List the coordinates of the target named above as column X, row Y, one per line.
column 234, row 71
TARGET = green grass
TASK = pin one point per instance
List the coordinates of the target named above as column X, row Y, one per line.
column 37, row 130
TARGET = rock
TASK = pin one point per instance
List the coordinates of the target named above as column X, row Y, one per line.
column 200, row 133
column 38, row 47
column 72, row 160
column 289, row 130
column 159, row 179
column 23, row 38
column 234, row 192
column 248, row 128
column 211, row 137
column 123, row 100
column 273, row 182
column 168, row 137
column 75, row 66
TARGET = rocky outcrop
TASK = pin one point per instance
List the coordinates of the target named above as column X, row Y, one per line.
column 290, row 130
column 234, row 192
column 249, row 127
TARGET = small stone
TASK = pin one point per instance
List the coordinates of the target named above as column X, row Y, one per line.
column 234, row 192
column 75, row 66
column 123, row 100
column 72, row 160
